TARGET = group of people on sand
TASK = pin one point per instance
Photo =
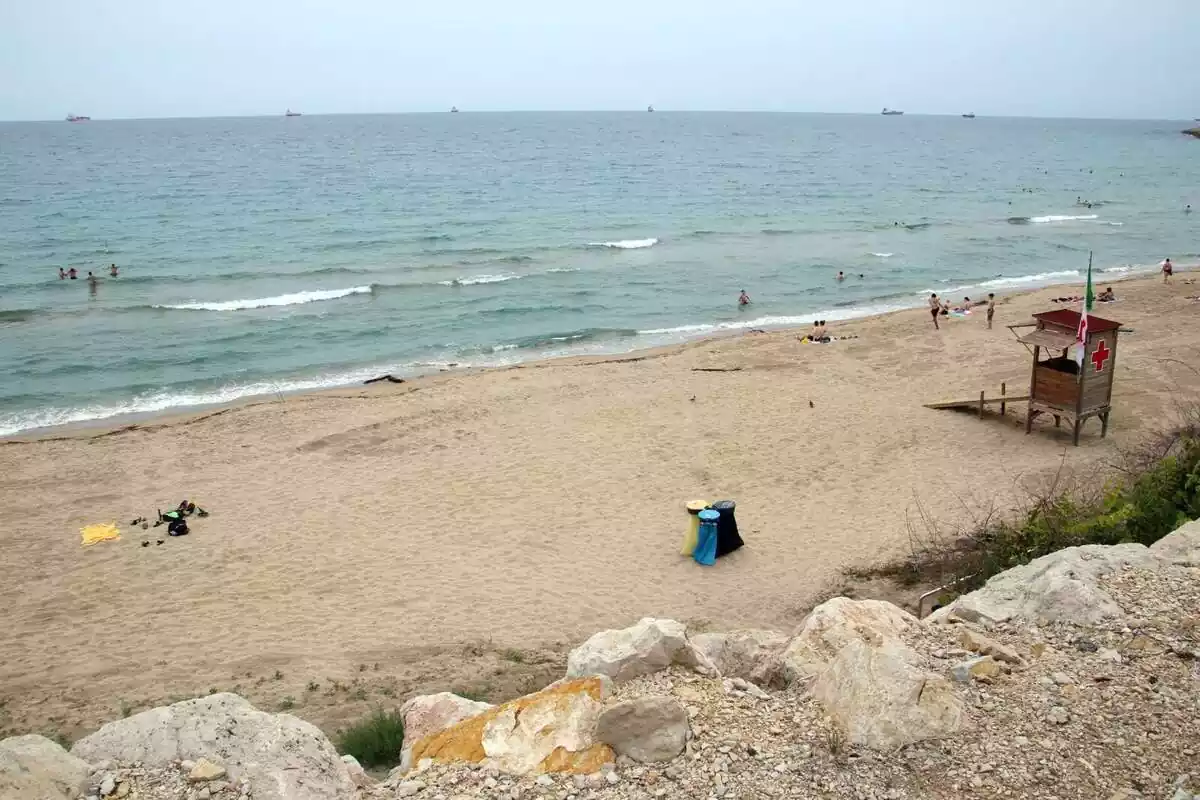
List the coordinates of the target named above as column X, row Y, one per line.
column 73, row 274
column 941, row 308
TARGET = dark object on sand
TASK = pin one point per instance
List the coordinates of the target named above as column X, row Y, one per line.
column 177, row 527
column 810, row 404
column 389, row 378
column 728, row 538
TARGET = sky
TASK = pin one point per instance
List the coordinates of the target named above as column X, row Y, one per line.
column 170, row 58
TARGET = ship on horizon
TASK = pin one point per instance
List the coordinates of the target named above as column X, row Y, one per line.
column 290, row 113
column 73, row 118
column 969, row 115
column 891, row 112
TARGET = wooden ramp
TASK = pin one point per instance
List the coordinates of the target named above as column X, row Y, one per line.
column 981, row 402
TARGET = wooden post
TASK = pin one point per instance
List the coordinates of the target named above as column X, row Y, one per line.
column 1003, row 393
column 981, row 405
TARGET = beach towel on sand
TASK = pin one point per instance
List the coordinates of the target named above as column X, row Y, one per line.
column 99, row 533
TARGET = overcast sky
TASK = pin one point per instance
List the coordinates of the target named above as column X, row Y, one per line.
column 160, row 58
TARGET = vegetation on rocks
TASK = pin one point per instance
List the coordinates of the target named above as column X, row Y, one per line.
column 376, row 740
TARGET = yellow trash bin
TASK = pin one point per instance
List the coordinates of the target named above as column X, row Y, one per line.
column 693, row 532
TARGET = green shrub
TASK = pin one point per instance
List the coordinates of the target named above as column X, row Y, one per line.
column 376, row 740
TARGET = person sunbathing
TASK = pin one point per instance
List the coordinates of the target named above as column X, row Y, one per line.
column 1107, row 296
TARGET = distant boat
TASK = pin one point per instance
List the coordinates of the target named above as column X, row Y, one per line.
column 73, row 118
column 453, row 109
column 969, row 116
column 891, row 112
column 290, row 113
column 650, row 109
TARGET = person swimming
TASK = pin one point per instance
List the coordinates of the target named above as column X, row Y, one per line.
column 112, row 271
column 743, row 298
column 841, row 276
column 62, row 274
column 71, row 273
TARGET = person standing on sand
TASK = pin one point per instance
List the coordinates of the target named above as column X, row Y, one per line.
column 935, row 308
column 991, row 308
column 743, row 298
column 1167, row 270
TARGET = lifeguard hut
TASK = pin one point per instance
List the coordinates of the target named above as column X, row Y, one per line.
column 1060, row 385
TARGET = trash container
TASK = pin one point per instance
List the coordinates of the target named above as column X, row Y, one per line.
column 689, row 539
column 728, row 538
column 706, row 539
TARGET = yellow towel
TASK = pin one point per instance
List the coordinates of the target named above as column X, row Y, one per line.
column 99, row 533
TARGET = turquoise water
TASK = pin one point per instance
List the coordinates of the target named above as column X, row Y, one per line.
column 271, row 254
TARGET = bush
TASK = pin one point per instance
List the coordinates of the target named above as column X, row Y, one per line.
column 376, row 741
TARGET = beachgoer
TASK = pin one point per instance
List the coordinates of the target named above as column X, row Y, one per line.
column 991, row 312
column 935, row 308
column 945, row 309
column 1167, row 269
column 71, row 273
column 62, row 274
column 1187, row 209
column 861, row 276
column 1107, row 296
column 743, row 298
column 818, row 332
column 91, row 279
column 841, row 276
column 112, row 271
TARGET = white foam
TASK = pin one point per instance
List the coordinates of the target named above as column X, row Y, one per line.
column 626, row 244
column 883, row 255
column 472, row 280
column 1115, row 224
column 1063, row 217
column 563, row 269
column 1041, row 277
column 297, row 298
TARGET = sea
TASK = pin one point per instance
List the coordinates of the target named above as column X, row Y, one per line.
column 268, row 255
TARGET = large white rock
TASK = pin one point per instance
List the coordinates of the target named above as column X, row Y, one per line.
column 282, row 757
column 36, row 768
column 430, row 713
column 880, row 699
column 1060, row 587
column 647, row 729
column 755, row 655
column 649, row 646
column 1181, row 546
column 836, row 623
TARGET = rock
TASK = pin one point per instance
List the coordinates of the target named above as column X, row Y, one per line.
column 278, row 756
column 409, row 788
column 835, row 623
column 1058, row 715
column 647, row 729
column 647, row 647
column 1061, row 678
column 755, row 655
column 108, row 785
column 430, row 713
column 204, row 771
column 976, row 642
column 35, row 768
column 880, row 700
column 358, row 775
column 204, row 794
column 612, row 778
column 1181, row 546
column 1060, row 587
column 981, row 668
column 749, row 688
column 1109, row 655
column 550, row 731
column 544, row 780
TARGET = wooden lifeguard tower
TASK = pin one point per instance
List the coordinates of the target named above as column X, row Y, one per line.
column 1059, row 384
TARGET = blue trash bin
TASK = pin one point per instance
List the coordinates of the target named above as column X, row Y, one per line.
column 706, row 540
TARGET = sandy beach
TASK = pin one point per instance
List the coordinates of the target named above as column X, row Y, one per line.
column 465, row 528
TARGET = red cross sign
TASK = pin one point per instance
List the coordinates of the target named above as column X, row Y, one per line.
column 1100, row 355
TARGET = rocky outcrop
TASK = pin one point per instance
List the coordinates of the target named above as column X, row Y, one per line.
column 753, row 655
column 876, row 695
column 550, row 731
column 1063, row 586
column 1192, row 132
column 649, row 646
column 836, row 623
column 430, row 713
column 35, row 768
column 646, row 729
column 278, row 756
column 1181, row 547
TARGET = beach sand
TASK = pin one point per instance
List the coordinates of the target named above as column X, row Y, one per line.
column 468, row 528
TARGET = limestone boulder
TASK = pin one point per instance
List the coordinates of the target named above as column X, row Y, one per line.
column 1181, row 546
column 36, row 768
column 836, row 623
column 280, row 756
column 649, row 646
column 646, row 729
column 430, row 713
column 553, row 730
column 1060, row 587
column 753, row 655
column 880, row 699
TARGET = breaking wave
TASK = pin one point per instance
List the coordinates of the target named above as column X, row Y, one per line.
column 294, row 299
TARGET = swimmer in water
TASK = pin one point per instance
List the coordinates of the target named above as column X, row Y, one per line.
column 743, row 298
column 1188, row 209
column 62, row 274
column 71, row 273
column 841, row 276
column 112, row 270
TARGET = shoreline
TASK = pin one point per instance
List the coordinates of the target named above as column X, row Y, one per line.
column 108, row 425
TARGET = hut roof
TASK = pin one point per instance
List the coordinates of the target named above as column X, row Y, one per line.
column 1068, row 318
